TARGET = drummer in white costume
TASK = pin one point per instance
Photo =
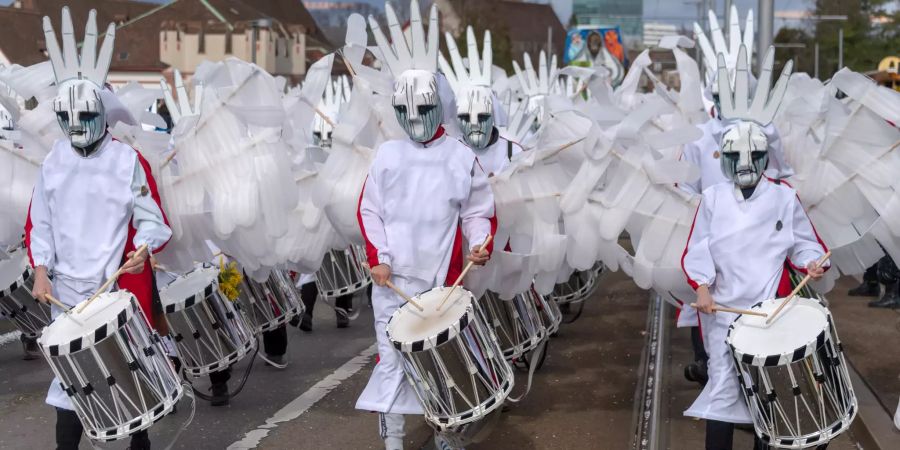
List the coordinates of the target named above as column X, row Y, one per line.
column 704, row 153
column 94, row 202
column 478, row 111
column 423, row 195
column 743, row 232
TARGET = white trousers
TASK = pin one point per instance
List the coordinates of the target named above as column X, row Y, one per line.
column 387, row 390
column 71, row 292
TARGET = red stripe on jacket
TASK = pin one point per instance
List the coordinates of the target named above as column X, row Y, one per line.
column 141, row 284
column 694, row 284
column 371, row 251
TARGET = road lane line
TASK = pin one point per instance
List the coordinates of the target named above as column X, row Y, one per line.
column 306, row 400
column 12, row 336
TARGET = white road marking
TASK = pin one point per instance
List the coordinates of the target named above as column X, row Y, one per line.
column 306, row 400
column 12, row 336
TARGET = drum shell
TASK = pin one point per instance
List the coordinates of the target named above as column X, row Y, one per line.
column 474, row 347
column 29, row 315
column 342, row 273
column 515, row 323
column 810, row 390
column 270, row 304
column 120, row 384
column 209, row 331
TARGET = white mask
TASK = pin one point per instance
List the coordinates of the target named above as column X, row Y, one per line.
column 7, row 125
column 744, row 154
column 80, row 112
column 413, row 63
column 417, row 104
column 475, row 112
column 78, row 107
column 472, row 86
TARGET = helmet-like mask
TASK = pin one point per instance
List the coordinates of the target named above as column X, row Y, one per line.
column 416, row 102
column 536, row 86
column 744, row 154
column 472, row 86
column 78, row 108
column 7, row 122
column 744, row 145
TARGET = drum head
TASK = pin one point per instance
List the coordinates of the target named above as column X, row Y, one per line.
column 189, row 286
column 12, row 269
column 76, row 330
column 801, row 326
column 414, row 330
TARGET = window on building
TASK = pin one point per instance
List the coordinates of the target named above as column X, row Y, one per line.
column 123, row 56
column 228, row 42
column 201, row 41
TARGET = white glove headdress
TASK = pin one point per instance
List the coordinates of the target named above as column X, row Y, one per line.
column 472, row 85
column 745, row 145
column 78, row 106
column 729, row 50
column 415, row 100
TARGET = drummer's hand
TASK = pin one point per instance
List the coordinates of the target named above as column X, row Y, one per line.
column 705, row 302
column 42, row 287
column 814, row 270
column 478, row 256
column 135, row 263
column 381, row 274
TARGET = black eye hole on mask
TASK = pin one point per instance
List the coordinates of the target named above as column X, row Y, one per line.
column 87, row 116
column 317, row 135
column 463, row 117
column 732, row 156
column 758, row 155
column 400, row 109
column 62, row 115
column 425, row 109
column 484, row 117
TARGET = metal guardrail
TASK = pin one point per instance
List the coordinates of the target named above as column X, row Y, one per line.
column 648, row 434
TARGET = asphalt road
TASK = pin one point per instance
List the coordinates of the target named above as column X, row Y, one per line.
column 583, row 398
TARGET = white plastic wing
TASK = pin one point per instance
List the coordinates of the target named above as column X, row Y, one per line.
column 90, row 65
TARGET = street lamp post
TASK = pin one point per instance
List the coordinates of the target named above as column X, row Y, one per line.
column 766, row 29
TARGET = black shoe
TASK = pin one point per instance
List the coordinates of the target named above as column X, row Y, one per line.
column 30, row 350
column 219, row 395
column 140, row 441
column 565, row 308
column 696, row 372
column 295, row 321
column 890, row 299
column 343, row 321
column 865, row 289
column 306, row 322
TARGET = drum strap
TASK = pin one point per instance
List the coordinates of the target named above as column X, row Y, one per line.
column 240, row 386
column 534, row 361
column 189, row 393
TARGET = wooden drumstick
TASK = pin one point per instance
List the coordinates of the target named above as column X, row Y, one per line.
column 58, row 303
column 800, row 285
column 736, row 310
column 112, row 279
column 398, row 291
column 464, row 272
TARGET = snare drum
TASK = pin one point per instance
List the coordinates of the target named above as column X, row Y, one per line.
column 342, row 272
column 550, row 313
column 793, row 374
column 112, row 365
column 210, row 332
column 576, row 288
column 453, row 363
column 270, row 304
column 16, row 302
column 516, row 323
